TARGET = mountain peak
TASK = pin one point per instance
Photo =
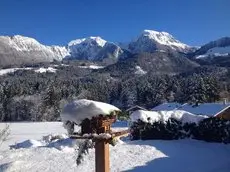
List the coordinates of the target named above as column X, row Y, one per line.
column 21, row 37
column 21, row 43
column 90, row 40
column 164, row 38
column 151, row 40
column 93, row 48
column 147, row 31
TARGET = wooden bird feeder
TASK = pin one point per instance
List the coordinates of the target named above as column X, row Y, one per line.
column 98, row 125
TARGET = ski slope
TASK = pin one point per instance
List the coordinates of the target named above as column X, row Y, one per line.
column 128, row 156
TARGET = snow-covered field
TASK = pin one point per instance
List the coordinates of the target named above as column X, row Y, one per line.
column 51, row 69
column 139, row 71
column 12, row 70
column 39, row 70
column 92, row 67
column 43, row 70
column 130, row 156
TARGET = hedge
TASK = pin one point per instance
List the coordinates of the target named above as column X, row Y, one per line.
column 210, row 129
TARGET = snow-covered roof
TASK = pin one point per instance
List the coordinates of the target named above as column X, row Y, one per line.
column 209, row 109
column 79, row 110
column 167, row 106
column 135, row 107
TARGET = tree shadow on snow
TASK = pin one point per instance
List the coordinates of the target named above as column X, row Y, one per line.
column 186, row 156
column 4, row 167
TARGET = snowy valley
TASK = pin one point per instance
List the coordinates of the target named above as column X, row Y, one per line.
column 114, row 86
column 46, row 146
column 130, row 156
column 38, row 80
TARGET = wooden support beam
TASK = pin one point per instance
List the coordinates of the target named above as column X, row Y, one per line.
column 120, row 133
column 113, row 134
column 102, row 156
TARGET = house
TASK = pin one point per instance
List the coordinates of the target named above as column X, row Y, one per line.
column 134, row 108
column 167, row 106
column 221, row 110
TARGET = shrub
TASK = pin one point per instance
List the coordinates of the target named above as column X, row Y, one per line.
column 210, row 130
column 213, row 130
column 172, row 129
column 123, row 116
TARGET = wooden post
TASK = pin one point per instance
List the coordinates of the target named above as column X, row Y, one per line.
column 99, row 125
column 102, row 156
column 102, row 152
column 101, row 145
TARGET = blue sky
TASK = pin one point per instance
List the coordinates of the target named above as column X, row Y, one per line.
column 193, row 22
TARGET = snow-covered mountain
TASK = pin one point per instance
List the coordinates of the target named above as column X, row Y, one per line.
column 86, row 48
column 217, row 48
column 93, row 48
column 25, row 44
column 151, row 41
column 16, row 50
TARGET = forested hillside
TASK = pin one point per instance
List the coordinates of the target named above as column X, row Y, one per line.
column 28, row 95
column 154, row 68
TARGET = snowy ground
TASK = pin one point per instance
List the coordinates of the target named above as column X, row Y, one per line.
column 128, row 156
column 37, row 70
column 92, row 67
column 12, row 70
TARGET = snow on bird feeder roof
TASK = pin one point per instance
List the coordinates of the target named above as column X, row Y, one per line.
column 79, row 110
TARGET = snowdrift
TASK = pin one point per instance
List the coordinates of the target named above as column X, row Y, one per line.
column 164, row 116
column 60, row 142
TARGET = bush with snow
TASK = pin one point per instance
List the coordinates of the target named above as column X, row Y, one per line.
column 164, row 116
column 213, row 130
column 169, row 130
column 167, row 126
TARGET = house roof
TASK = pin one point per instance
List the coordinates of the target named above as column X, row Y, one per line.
column 209, row 109
column 135, row 107
column 167, row 106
